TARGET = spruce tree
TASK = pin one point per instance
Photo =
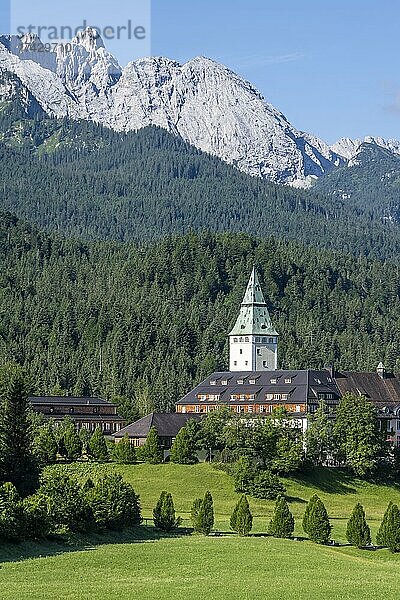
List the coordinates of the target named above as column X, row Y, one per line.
column 392, row 528
column 381, row 535
column 242, row 519
column 164, row 513
column 183, row 449
column 98, row 446
column 206, row 515
column 17, row 462
column 282, row 522
column 151, row 451
column 316, row 521
column 358, row 532
column 124, row 452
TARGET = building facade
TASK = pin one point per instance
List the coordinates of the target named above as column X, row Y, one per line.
column 87, row 413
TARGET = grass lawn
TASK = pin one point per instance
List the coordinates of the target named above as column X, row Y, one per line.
column 140, row 564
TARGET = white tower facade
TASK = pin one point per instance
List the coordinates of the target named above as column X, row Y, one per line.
column 253, row 342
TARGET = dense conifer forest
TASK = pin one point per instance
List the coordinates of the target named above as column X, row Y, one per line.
column 146, row 322
column 89, row 182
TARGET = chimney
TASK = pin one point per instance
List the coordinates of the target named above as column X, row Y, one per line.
column 381, row 370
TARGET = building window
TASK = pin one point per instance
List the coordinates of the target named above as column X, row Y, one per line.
column 398, row 425
column 270, row 396
column 235, row 363
column 273, row 380
column 240, row 381
column 213, row 382
column 298, row 408
column 95, row 410
column 264, row 340
column 277, row 396
column 261, row 408
column 71, row 410
column 258, row 351
column 240, row 351
column 252, row 381
column 224, row 382
column 246, row 339
column 250, row 408
column 235, row 340
column 51, row 409
column 257, row 339
column 271, row 340
column 246, row 362
column 288, row 380
column 197, row 408
column 284, row 396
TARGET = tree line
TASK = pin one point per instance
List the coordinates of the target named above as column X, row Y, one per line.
column 142, row 325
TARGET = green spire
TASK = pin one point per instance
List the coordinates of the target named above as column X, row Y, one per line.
column 254, row 317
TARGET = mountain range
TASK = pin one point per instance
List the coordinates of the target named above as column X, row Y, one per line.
column 203, row 102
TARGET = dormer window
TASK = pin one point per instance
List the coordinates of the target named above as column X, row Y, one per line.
column 288, row 380
column 240, row 381
column 224, row 382
column 71, row 410
column 317, row 381
column 213, row 382
column 252, row 381
column 273, row 380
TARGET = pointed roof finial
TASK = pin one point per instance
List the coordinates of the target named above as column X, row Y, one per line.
column 253, row 293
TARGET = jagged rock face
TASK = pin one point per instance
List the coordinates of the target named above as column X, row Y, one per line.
column 14, row 93
column 203, row 102
column 349, row 148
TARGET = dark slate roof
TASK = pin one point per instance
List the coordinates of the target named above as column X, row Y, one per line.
column 167, row 425
column 68, row 401
column 304, row 384
column 381, row 391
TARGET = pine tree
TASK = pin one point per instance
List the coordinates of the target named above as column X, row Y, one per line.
column 183, row 450
column 17, row 462
column 151, row 451
column 358, row 532
column 72, row 443
column 124, row 452
column 381, row 539
column 282, row 522
column 242, row 519
column 164, row 513
column 392, row 528
column 316, row 521
column 206, row 515
column 98, row 446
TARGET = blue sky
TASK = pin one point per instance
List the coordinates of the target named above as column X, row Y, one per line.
column 330, row 67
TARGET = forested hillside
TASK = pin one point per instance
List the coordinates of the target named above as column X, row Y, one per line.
column 372, row 182
column 92, row 183
column 148, row 322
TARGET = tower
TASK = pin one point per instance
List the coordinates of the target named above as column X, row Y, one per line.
column 253, row 342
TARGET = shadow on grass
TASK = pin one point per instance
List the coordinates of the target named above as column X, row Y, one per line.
column 329, row 480
column 73, row 542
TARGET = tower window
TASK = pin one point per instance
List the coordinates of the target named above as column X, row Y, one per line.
column 235, row 363
column 246, row 362
column 258, row 352
column 271, row 340
column 246, row 339
column 235, row 340
column 240, row 351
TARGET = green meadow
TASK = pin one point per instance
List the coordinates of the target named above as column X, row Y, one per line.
column 143, row 564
